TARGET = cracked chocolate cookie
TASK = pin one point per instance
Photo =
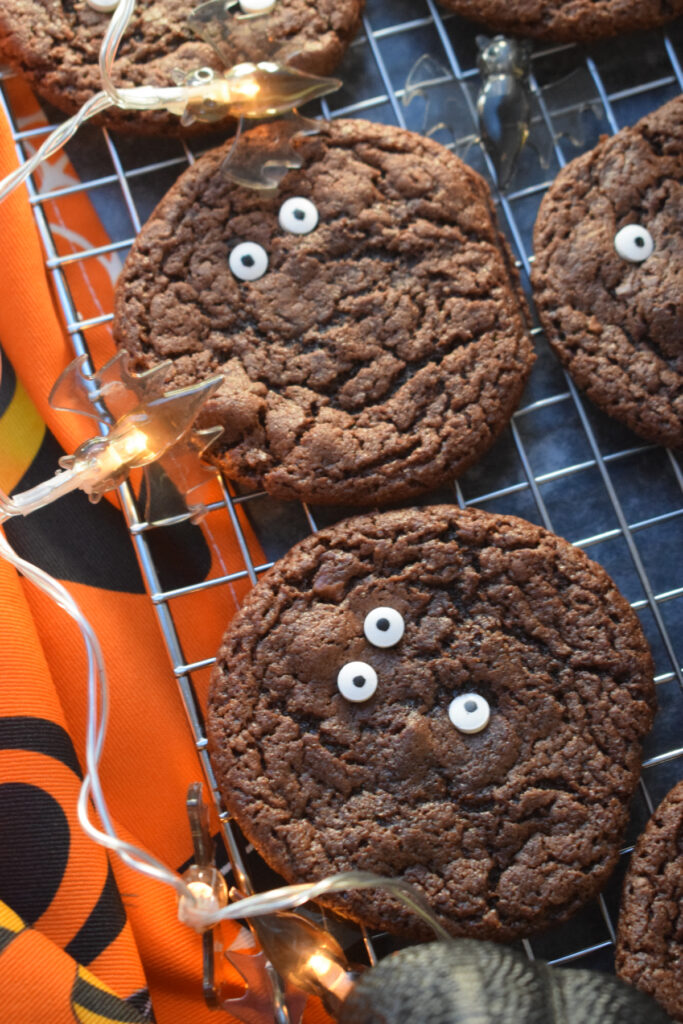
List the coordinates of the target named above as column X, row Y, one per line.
column 451, row 697
column 568, row 20
column 650, row 937
column 367, row 318
column 56, row 43
column 608, row 273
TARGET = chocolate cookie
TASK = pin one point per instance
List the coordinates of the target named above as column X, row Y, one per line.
column 448, row 696
column 370, row 330
column 608, row 273
column 56, row 45
column 650, row 937
column 568, row 20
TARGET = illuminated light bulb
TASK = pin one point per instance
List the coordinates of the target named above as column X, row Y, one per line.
column 102, row 463
column 202, row 892
column 256, row 6
column 269, row 88
column 306, row 955
column 248, row 88
column 328, row 974
column 208, row 892
column 138, row 438
column 134, row 444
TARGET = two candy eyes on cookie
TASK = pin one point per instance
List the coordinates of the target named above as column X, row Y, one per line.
column 357, row 681
column 248, row 261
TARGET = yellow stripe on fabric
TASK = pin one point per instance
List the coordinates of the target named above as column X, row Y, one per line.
column 21, row 435
column 94, row 1003
column 10, row 921
column 91, row 979
column 10, row 926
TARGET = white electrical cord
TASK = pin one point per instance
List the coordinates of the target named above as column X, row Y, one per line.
column 110, row 45
column 54, row 142
column 203, row 915
column 98, row 710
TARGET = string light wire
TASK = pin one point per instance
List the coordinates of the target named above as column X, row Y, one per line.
column 98, row 711
column 204, row 915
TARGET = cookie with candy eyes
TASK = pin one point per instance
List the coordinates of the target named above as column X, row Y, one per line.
column 568, row 20
column 608, row 273
column 366, row 317
column 56, row 43
column 449, row 696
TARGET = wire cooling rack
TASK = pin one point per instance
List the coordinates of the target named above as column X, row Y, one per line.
column 560, row 463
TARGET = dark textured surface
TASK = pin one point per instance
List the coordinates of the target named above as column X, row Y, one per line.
column 379, row 355
column 618, row 326
column 504, row 831
column 568, row 20
column 467, row 982
column 55, row 43
column 650, row 938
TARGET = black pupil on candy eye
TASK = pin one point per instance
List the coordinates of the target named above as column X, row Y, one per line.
column 639, row 241
column 359, row 680
column 247, row 261
column 383, row 624
column 300, row 214
column 470, row 705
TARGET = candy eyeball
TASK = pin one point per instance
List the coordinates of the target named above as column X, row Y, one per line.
column 383, row 627
column 248, row 261
column 298, row 215
column 634, row 243
column 470, row 712
column 256, row 6
column 357, row 681
column 103, row 6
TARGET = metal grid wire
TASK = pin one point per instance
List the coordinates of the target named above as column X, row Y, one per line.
column 561, row 463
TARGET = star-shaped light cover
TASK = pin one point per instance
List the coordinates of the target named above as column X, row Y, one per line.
column 172, row 450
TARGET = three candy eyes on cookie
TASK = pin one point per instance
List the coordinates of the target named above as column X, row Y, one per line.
column 357, row 681
column 248, row 261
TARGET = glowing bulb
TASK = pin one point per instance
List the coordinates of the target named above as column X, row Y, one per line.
column 319, row 963
column 133, row 444
column 248, row 88
column 208, row 892
column 202, row 892
column 329, row 974
column 312, row 959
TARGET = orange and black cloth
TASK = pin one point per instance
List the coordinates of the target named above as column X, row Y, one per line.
column 82, row 936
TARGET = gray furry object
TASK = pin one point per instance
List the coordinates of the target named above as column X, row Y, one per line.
column 470, row 982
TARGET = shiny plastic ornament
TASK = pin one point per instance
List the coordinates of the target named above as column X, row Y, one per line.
column 503, row 101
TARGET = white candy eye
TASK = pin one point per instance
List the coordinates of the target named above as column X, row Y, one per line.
column 254, row 6
column 298, row 215
column 469, row 712
column 634, row 243
column 357, row 681
column 248, row 261
column 383, row 627
column 103, row 6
